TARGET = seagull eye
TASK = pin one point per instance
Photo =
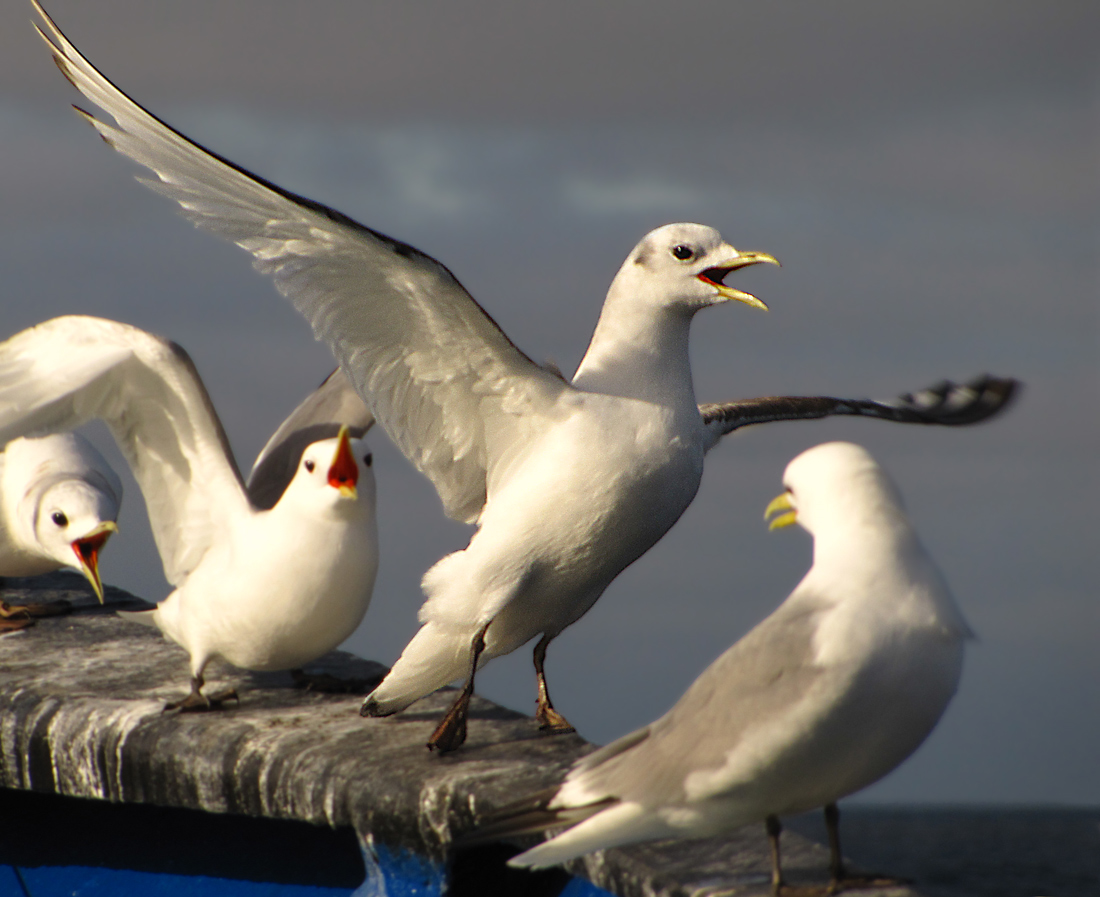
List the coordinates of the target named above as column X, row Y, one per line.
column 309, row 465
column 368, row 459
column 59, row 518
column 683, row 253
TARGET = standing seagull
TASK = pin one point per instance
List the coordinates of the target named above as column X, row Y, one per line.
column 569, row 482
column 828, row 694
column 59, row 502
column 263, row 589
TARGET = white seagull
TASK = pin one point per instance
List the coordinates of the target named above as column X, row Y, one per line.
column 568, row 482
column 59, row 503
column 262, row 589
column 827, row 695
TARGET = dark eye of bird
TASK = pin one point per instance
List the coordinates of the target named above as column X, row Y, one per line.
column 368, row 459
column 309, row 466
column 59, row 518
column 683, row 253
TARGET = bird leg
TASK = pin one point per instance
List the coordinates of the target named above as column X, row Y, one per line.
column 451, row 731
column 12, row 619
column 774, row 829
column 838, row 876
column 46, row 609
column 836, row 860
column 549, row 719
column 197, row 702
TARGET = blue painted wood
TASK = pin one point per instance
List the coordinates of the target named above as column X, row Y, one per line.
column 10, row 885
column 90, row 881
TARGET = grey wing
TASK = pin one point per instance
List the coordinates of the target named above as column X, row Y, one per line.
column 67, row 371
column 945, row 404
column 95, row 469
column 333, row 404
column 763, row 677
column 436, row 371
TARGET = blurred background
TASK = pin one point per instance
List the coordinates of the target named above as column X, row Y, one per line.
column 927, row 173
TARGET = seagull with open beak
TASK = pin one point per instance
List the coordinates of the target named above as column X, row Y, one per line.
column 569, row 481
column 268, row 587
column 59, row 500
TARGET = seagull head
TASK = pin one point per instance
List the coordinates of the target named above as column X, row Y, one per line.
column 337, row 469
column 686, row 266
column 74, row 522
column 835, row 486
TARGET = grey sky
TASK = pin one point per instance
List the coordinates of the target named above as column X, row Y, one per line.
column 925, row 172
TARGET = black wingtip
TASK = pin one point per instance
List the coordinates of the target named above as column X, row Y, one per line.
column 954, row 405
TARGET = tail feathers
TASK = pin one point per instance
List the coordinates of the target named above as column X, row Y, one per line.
column 435, row 657
column 531, row 815
column 612, row 825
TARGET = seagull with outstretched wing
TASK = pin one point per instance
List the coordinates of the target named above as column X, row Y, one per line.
column 568, row 481
column 263, row 589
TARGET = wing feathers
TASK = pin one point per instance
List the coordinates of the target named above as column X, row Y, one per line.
column 65, row 372
column 945, row 404
column 434, row 368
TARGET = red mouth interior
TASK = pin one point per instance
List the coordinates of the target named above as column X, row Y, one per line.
column 344, row 471
column 88, row 549
column 715, row 276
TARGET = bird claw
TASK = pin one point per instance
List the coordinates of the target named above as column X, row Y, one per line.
column 551, row 722
column 450, row 734
column 46, row 609
column 9, row 611
column 197, row 702
column 13, row 618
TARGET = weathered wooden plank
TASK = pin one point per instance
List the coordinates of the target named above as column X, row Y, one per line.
column 81, row 700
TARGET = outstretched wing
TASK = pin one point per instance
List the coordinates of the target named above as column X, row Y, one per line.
column 69, row 370
column 438, row 373
column 333, row 404
column 947, row 404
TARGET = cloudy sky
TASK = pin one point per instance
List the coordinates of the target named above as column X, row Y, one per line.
column 926, row 173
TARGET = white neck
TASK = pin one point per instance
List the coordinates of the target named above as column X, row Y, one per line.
column 639, row 353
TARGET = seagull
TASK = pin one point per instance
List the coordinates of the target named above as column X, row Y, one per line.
column 59, row 503
column 321, row 415
column 831, row 692
column 262, row 589
column 567, row 481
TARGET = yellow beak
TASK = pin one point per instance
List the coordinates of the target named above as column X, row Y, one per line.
column 782, row 506
column 87, row 552
column 716, row 274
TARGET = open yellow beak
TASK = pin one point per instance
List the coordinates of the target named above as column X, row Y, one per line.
column 714, row 276
column 343, row 474
column 782, row 506
column 87, row 552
